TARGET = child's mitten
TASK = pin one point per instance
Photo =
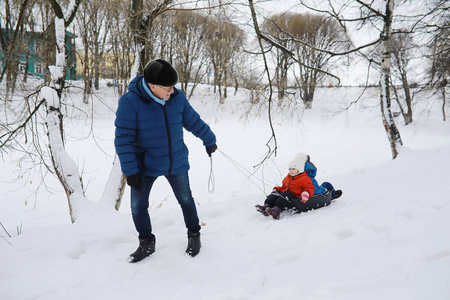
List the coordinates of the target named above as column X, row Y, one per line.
column 305, row 196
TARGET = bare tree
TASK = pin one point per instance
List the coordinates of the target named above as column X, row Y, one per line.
column 378, row 16
column 304, row 34
column 44, row 12
column 49, row 98
column 385, row 95
column 84, row 20
column 93, row 20
column 141, row 25
column 224, row 42
column 402, row 45
column 120, row 41
column 12, row 29
column 190, row 30
column 439, row 28
column 265, row 39
column 65, row 168
column 279, row 27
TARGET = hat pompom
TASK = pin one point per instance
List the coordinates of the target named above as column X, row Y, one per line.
column 160, row 72
column 299, row 162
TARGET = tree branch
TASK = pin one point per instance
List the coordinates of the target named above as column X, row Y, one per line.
column 11, row 134
column 293, row 56
column 259, row 36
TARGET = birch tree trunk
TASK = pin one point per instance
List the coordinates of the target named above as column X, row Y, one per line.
column 385, row 99
column 115, row 187
column 65, row 168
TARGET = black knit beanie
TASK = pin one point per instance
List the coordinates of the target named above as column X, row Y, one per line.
column 160, row 72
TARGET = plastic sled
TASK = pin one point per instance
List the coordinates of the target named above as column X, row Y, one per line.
column 314, row 202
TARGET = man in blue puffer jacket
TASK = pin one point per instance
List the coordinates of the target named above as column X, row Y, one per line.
column 149, row 142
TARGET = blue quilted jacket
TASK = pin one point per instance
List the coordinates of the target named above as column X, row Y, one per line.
column 149, row 136
column 311, row 171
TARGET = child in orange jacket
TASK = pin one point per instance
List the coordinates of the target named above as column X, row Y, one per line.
column 296, row 184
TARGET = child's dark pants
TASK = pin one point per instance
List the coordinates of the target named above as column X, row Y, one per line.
column 280, row 200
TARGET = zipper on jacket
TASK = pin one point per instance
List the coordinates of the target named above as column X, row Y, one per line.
column 290, row 180
column 169, row 140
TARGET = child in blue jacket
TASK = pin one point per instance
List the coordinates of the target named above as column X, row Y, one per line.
column 311, row 171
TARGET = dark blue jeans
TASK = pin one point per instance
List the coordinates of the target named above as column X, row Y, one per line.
column 140, row 204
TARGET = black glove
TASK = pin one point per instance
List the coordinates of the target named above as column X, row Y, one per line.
column 211, row 149
column 134, row 181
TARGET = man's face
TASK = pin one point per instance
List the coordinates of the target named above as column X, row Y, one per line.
column 162, row 92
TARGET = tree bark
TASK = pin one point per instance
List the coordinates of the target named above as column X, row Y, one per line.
column 443, row 103
column 385, row 98
column 65, row 168
column 115, row 186
column 408, row 116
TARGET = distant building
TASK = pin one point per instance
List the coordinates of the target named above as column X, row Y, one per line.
column 36, row 51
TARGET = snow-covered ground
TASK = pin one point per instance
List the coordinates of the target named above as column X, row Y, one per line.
column 387, row 237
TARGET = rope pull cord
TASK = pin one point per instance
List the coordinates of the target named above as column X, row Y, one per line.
column 211, row 179
column 246, row 173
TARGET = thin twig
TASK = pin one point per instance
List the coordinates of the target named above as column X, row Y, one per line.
column 5, row 229
column 5, row 239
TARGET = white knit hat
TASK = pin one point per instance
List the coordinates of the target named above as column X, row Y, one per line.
column 299, row 162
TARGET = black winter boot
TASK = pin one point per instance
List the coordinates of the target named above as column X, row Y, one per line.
column 146, row 247
column 194, row 243
column 336, row 195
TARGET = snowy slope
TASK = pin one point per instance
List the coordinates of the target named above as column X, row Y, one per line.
column 385, row 238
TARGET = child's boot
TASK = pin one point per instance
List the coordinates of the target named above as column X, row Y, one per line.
column 336, row 195
column 274, row 212
column 262, row 209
